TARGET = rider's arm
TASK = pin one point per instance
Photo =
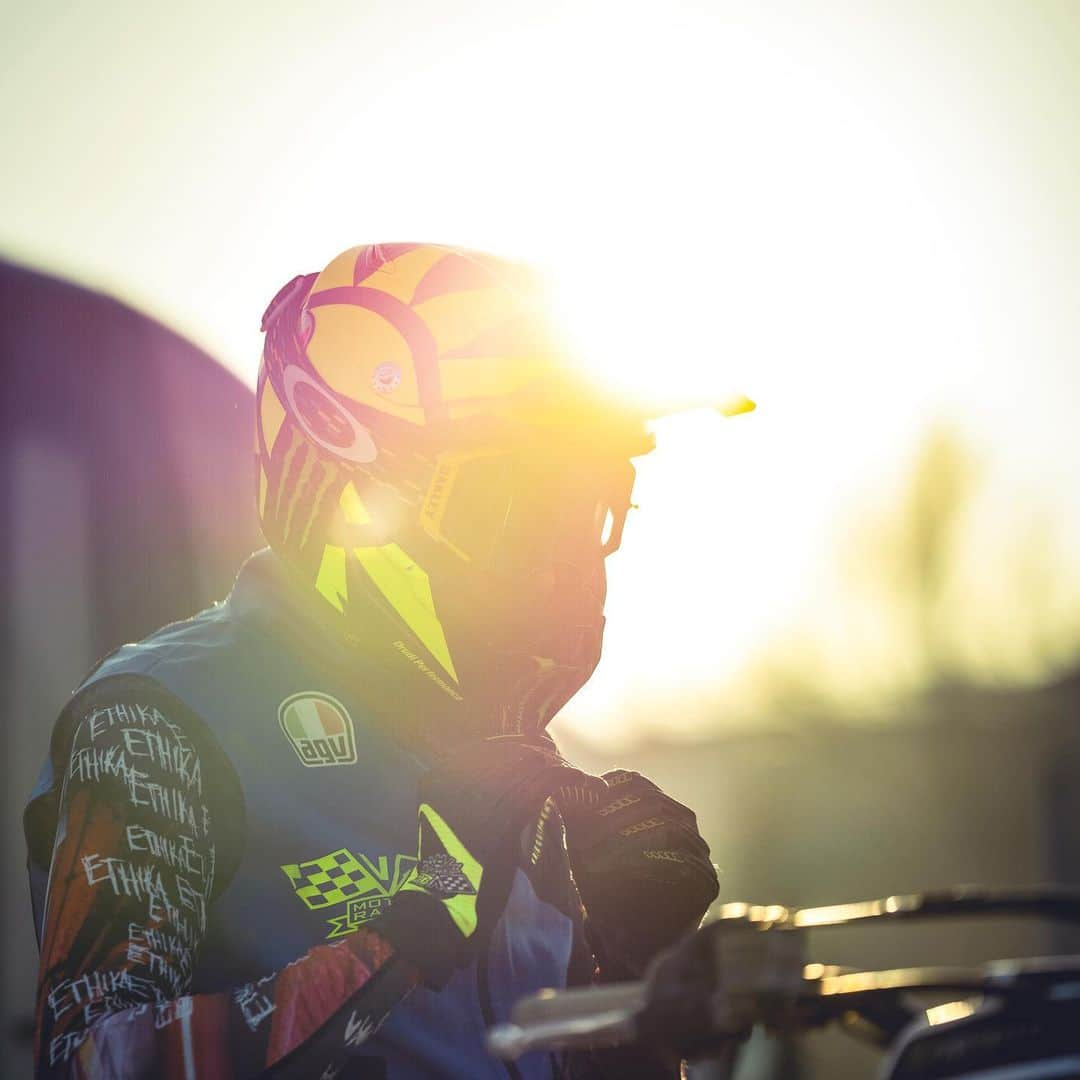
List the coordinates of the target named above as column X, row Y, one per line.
column 644, row 879
column 147, row 816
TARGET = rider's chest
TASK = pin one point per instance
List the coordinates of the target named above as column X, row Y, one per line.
column 331, row 827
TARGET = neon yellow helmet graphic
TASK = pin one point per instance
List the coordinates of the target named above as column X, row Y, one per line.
column 433, row 466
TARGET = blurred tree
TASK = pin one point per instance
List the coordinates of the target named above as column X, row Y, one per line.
column 942, row 483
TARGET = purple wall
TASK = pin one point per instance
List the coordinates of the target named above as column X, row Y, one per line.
column 126, row 482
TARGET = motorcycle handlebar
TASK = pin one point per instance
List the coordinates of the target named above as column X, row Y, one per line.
column 570, row 1020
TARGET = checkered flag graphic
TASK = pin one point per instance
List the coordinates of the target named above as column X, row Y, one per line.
column 331, row 880
column 442, row 875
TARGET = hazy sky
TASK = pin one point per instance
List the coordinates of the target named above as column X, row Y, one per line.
column 863, row 215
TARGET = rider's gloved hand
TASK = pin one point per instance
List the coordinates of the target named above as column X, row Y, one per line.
column 642, row 870
column 473, row 808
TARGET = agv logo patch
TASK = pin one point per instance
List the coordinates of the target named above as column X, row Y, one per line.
column 319, row 728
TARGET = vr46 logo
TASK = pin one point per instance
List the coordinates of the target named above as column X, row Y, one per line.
column 319, row 728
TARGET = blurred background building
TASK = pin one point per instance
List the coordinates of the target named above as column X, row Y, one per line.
column 845, row 628
column 126, row 485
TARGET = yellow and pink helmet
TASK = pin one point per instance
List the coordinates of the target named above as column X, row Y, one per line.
column 428, row 451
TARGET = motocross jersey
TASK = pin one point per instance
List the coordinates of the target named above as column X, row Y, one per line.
column 269, row 815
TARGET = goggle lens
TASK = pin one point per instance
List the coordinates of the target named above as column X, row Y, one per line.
column 514, row 508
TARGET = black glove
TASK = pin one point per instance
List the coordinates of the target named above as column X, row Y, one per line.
column 473, row 808
column 642, row 871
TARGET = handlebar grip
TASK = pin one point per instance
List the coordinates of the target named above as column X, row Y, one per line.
column 584, row 1018
column 585, row 1001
